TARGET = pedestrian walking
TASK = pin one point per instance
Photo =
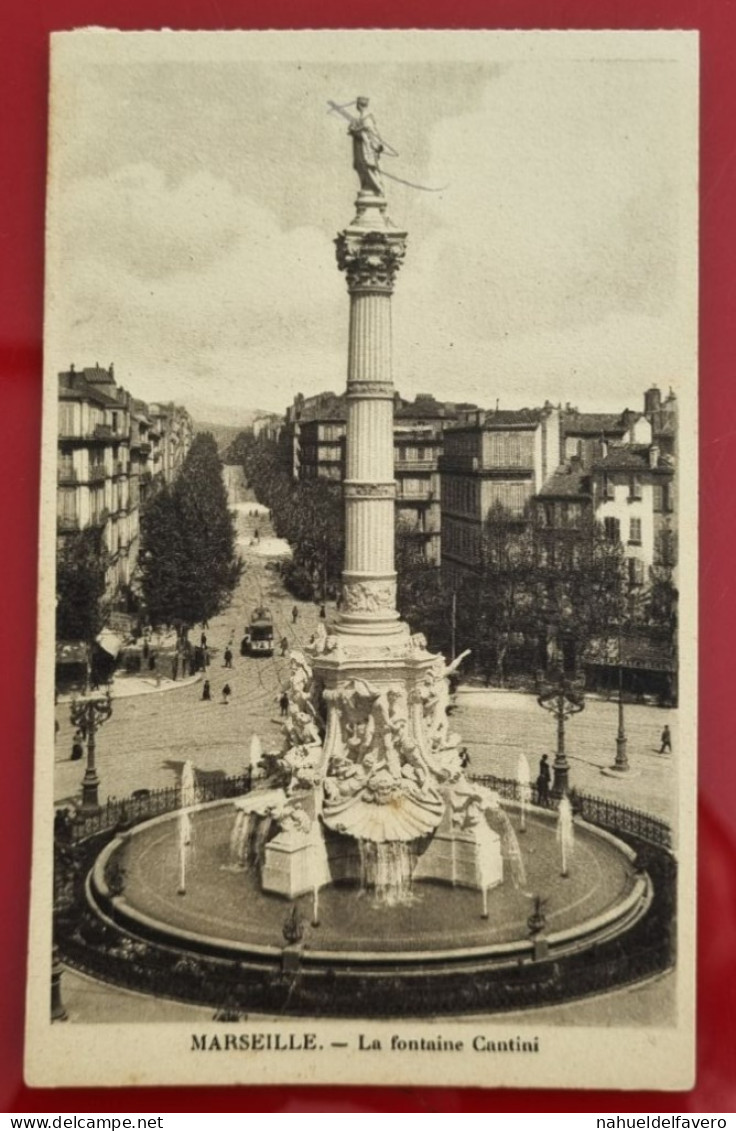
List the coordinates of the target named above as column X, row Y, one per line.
column 464, row 757
column 226, row 693
column 284, row 703
column 666, row 741
column 543, row 781
column 294, row 615
column 228, row 656
column 206, row 693
column 77, row 748
column 284, row 645
column 203, row 640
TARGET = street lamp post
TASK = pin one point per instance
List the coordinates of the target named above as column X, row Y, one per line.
column 622, row 762
column 563, row 699
column 87, row 715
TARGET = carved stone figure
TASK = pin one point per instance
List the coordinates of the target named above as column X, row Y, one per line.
column 367, row 149
column 368, row 596
column 435, row 698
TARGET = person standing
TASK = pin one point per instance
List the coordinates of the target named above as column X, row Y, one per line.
column 284, row 703
column 294, row 615
column 226, row 693
column 228, row 657
column 543, row 780
column 322, row 611
column 77, row 748
column 203, row 640
column 666, row 741
column 206, row 694
column 284, row 645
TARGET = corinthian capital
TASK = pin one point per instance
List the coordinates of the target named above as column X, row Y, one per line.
column 370, row 259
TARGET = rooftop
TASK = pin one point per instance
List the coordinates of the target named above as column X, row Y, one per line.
column 593, row 423
column 631, row 457
column 568, row 481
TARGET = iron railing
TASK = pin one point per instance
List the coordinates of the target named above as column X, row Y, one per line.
column 144, row 804
column 601, row 811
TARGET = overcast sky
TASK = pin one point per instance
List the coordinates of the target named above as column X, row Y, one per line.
column 197, row 183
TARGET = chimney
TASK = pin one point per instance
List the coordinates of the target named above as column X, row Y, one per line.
column 652, row 400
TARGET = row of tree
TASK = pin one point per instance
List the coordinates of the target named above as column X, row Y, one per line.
column 188, row 565
column 308, row 514
column 536, row 600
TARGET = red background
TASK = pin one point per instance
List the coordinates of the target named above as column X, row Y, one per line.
column 23, row 93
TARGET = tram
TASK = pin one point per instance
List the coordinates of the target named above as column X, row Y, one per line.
column 258, row 639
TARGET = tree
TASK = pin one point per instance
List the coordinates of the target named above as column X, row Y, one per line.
column 188, row 564
column 580, row 587
column 494, row 608
column 308, row 514
column 421, row 598
column 81, row 565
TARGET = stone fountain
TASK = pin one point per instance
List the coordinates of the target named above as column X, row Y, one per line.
column 370, row 783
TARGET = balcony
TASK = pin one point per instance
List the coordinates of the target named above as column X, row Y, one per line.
column 407, row 466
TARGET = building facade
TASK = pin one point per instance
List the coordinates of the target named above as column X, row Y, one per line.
column 112, row 449
column 497, row 458
column 315, row 434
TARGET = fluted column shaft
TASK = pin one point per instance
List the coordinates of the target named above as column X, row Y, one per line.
column 370, row 260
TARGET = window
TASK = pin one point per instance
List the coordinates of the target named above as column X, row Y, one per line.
column 609, row 488
column 636, row 571
column 66, row 419
column 612, row 528
column 635, row 487
column 635, row 531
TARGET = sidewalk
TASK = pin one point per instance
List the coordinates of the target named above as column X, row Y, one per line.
column 123, row 686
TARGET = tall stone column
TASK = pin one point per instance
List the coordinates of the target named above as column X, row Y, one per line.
column 370, row 252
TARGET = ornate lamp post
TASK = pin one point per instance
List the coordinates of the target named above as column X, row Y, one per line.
column 622, row 762
column 87, row 715
column 563, row 700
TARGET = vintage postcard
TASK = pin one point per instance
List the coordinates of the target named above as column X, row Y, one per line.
column 366, row 743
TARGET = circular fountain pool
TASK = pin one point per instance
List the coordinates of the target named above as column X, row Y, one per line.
column 223, row 911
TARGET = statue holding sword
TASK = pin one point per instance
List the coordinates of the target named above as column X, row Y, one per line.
column 368, row 146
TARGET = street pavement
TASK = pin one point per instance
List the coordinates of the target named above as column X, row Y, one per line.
column 150, row 735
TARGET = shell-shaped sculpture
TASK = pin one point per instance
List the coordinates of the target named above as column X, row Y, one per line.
column 407, row 814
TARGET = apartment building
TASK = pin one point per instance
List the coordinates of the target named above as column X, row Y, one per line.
column 492, row 458
column 111, row 450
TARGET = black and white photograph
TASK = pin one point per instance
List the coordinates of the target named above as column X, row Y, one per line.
column 366, row 700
